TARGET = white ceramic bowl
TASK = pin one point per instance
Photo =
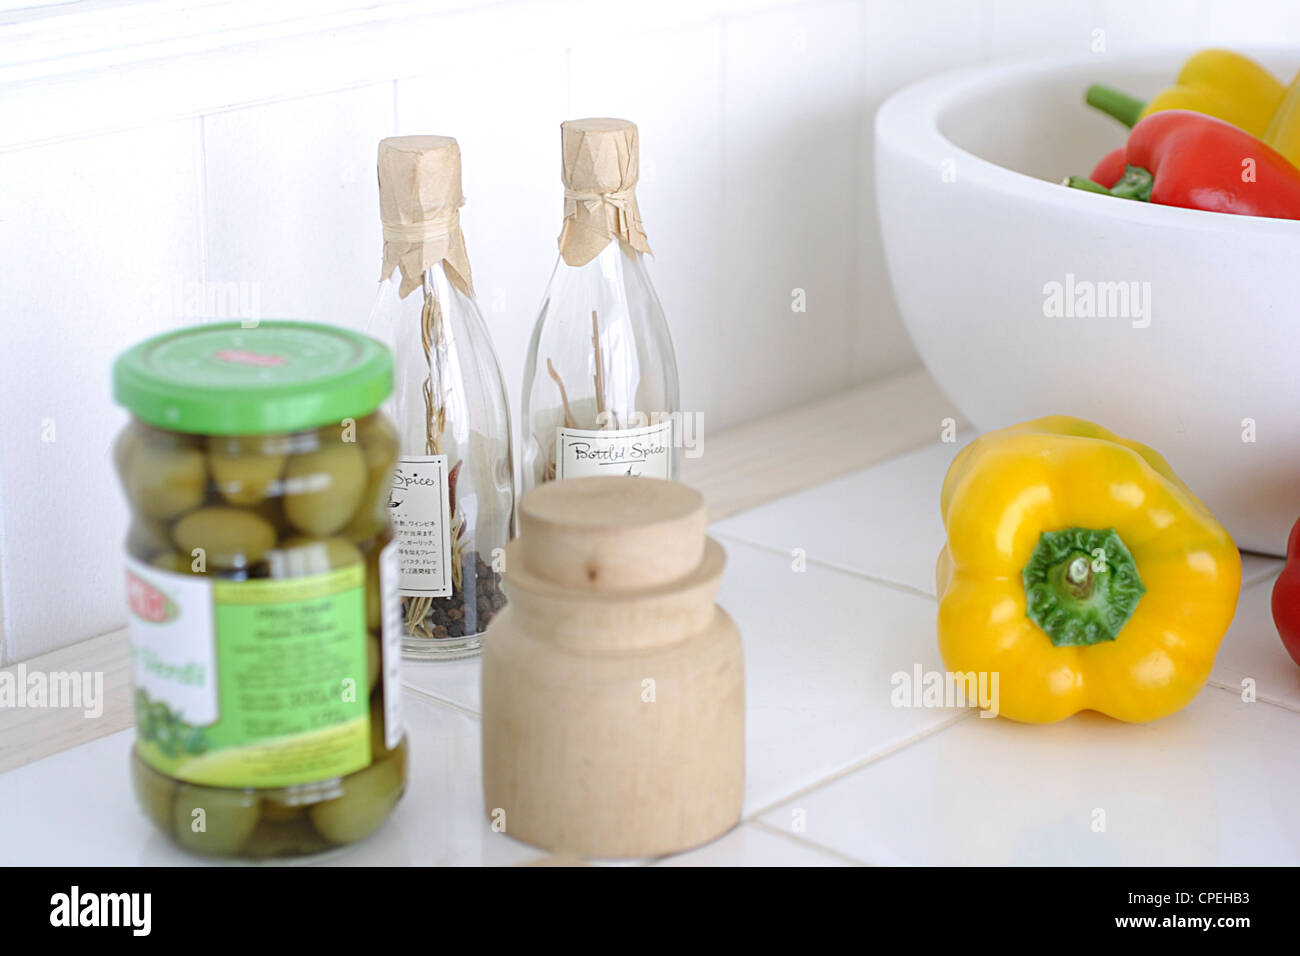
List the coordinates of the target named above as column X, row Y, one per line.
column 1205, row 354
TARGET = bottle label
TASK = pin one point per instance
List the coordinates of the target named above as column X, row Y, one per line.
column 391, row 642
column 420, row 507
column 639, row 452
column 250, row 683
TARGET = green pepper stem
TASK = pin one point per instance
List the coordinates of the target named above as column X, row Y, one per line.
column 1114, row 103
column 1074, row 601
column 1086, row 184
column 1078, row 572
column 1136, row 183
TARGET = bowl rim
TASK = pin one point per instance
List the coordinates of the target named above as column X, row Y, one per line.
column 908, row 122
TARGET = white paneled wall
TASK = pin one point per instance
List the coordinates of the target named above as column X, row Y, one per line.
column 789, row 210
column 674, row 90
column 132, row 178
column 93, row 233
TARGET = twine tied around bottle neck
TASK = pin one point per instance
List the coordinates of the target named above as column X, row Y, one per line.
column 593, row 219
column 435, row 230
column 415, row 247
column 620, row 200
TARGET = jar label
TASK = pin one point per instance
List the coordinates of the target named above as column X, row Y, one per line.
column 420, row 507
column 256, row 683
column 639, row 452
column 391, row 642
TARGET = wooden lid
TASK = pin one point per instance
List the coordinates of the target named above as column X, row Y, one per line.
column 612, row 534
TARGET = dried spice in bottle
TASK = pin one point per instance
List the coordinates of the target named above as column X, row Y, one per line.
column 600, row 385
column 452, row 500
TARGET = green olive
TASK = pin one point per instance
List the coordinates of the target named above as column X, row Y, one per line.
column 155, row 792
column 227, row 820
column 246, row 467
column 377, row 432
column 323, row 487
column 276, row 811
column 368, row 798
column 378, row 441
column 175, row 562
column 374, row 659
column 374, row 596
column 290, row 803
column 293, row 837
column 124, row 446
column 163, row 476
column 229, row 537
column 147, row 537
column 273, row 511
column 301, row 555
column 378, row 742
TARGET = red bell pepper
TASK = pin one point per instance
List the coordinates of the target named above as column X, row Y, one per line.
column 1286, row 597
column 1181, row 158
column 1110, row 169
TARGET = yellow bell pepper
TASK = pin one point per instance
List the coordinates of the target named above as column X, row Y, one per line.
column 1224, row 84
column 1221, row 83
column 1283, row 132
column 1082, row 571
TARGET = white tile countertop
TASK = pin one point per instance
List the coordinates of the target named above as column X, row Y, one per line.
column 833, row 592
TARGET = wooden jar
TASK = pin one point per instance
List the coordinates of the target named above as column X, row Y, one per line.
column 613, row 685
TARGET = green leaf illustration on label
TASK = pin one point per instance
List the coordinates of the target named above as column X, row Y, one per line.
column 157, row 724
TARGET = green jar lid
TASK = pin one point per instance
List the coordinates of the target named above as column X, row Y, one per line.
column 278, row 376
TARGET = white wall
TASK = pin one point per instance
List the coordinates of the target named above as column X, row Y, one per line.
column 237, row 143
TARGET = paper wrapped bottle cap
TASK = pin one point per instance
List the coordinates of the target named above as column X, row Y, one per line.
column 600, row 169
column 419, row 206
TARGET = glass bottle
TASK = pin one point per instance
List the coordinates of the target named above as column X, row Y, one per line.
column 600, row 383
column 452, row 500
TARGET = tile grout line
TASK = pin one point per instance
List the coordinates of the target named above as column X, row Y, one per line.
column 1264, row 576
column 431, row 698
column 827, row 565
column 4, row 587
column 327, row 89
column 182, row 116
column 1259, row 698
column 840, row 774
column 865, row 228
column 201, row 148
column 805, row 844
column 734, row 538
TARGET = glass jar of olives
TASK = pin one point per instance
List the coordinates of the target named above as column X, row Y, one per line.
column 261, row 581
